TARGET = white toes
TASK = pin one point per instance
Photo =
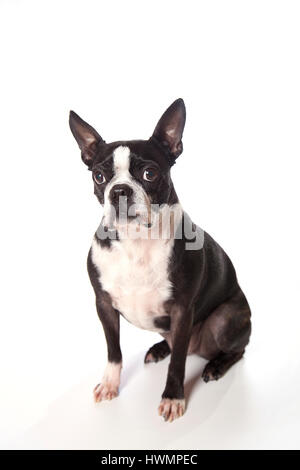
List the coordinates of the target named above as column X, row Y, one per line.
column 171, row 409
column 149, row 358
column 105, row 391
column 109, row 387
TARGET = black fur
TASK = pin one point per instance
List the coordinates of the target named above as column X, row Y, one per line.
column 158, row 352
column 163, row 322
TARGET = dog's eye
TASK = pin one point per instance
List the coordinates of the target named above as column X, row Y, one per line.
column 150, row 174
column 99, row 178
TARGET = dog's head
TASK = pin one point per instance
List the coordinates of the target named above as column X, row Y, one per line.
column 131, row 177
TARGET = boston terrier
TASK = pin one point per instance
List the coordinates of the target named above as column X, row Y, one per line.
column 149, row 263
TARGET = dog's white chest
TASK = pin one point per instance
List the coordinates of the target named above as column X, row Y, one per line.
column 135, row 274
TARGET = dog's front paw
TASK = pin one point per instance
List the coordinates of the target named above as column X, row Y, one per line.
column 171, row 409
column 109, row 387
column 105, row 391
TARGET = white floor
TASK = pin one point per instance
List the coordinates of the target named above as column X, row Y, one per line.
column 251, row 407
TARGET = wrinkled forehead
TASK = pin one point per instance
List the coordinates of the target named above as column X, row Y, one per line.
column 123, row 155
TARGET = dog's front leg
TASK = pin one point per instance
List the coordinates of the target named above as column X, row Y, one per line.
column 110, row 319
column 172, row 405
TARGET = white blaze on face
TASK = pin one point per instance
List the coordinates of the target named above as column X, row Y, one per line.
column 122, row 162
column 121, row 165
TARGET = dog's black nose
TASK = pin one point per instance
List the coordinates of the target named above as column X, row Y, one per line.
column 120, row 190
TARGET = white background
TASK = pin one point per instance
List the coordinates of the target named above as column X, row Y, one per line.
column 119, row 64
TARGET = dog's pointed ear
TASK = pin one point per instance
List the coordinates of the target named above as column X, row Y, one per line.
column 86, row 136
column 169, row 128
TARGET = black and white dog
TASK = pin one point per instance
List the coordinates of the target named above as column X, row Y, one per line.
column 149, row 263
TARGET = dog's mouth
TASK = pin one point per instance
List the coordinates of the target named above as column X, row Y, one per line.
column 125, row 213
column 125, row 218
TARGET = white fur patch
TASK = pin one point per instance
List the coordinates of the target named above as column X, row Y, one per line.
column 135, row 274
column 109, row 387
column 121, row 158
column 112, row 374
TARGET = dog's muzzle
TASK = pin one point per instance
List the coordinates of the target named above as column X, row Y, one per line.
column 121, row 197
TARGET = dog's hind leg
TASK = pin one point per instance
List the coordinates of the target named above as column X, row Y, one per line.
column 226, row 332
column 158, row 352
column 217, row 367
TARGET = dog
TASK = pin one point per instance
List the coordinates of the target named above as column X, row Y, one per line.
column 146, row 266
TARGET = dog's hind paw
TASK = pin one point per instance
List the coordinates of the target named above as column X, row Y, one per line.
column 216, row 368
column 158, row 352
column 171, row 409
